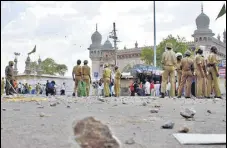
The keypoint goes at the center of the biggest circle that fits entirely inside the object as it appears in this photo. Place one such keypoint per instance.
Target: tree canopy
(179, 45)
(147, 55)
(49, 66)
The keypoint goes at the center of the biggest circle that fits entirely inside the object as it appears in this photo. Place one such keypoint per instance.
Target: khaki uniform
(86, 72)
(212, 77)
(77, 71)
(187, 76)
(9, 79)
(179, 72)
(2, 86)
(106, 78)
(204, 89)
(199, 75)
(117, 84)
(169, 63)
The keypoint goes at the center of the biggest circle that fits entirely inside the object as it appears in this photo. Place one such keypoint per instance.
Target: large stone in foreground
(91, 133)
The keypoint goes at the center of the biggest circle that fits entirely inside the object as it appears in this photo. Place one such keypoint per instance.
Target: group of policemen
(83, 73)
(188, 67)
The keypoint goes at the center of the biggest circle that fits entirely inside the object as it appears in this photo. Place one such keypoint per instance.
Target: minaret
(39, 70)
(224, 36)
(136, 45)
(201, 7)
(27, 66)
(15, 70)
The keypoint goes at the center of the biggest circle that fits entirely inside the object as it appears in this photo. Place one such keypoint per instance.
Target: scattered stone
(209, 111)
(188, 113)
(40, 106)
(38, 103)
(4, 109)
(153, 111)
(114, 105)
(57, 102)
(16, 109)
(42, 124)
(101, 99)
(184, 130)
(42, 115)
(124, 102)
(53, 104)
(130, 141)
(144, 104)
(168, 125)
(91, 133)
(68, 106)
(157, 106)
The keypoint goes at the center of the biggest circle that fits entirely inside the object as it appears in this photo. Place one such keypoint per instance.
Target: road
(22, 126)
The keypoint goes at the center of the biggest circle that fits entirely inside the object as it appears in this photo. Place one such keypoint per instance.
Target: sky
(62, 30)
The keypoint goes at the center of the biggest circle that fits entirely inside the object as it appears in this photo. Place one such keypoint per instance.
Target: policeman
(213, 75)
(179, 72)
(169, 63)
(2, 85)
(107, 80)
(199, 72)
(9, 78)
(86, 73)
(204, 65)
(117, 80)
(77, 76)
(187, 67)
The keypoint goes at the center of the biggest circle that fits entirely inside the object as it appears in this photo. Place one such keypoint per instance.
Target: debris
(42, 115)
(93, 134)
(130, 141)
(53, 104)
(101, 99)
(184, 129)
(40, 106)
(188, 113)
(209, 111)
(144, 104)
(153, 111)
(68, 106)
(168, 125)
(157, 106)
(4, 109)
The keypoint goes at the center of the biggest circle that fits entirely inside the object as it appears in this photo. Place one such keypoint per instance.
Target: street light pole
(154, 37)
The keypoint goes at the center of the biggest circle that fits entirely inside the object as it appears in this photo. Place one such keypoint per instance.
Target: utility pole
(154, 37)
(114, 37)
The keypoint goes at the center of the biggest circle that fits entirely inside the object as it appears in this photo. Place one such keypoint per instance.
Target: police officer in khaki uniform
(107, 80)
(2, 85)
(179, 71)
(187, 67)
(204, 89)
(86, 73)
(117, 84)
(213, 75)
(199, 72)
(9, 78)
(169, 63)
(77, 76)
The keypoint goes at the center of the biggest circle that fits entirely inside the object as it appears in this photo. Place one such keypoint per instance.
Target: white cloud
(62, 30)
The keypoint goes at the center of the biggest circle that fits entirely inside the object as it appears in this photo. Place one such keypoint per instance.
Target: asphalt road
(22, 126)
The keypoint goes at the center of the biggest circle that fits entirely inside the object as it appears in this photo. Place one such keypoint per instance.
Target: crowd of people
(187, 67)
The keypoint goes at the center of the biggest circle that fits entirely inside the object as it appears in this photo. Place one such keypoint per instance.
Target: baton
(12, 86)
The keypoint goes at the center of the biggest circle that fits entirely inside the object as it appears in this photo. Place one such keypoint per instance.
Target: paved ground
(22, 126)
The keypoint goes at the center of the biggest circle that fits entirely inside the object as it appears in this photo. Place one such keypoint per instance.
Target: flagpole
(154, 37)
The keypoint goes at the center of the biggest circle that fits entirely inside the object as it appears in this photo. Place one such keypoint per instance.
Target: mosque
(100, 54)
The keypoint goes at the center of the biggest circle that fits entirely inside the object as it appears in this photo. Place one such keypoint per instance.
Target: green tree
(62, 69)
(33, 65)
(179, 45)
(127, 68)
(147, 55)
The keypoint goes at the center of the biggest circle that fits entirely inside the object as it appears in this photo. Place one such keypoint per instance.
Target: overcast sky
(62, 30)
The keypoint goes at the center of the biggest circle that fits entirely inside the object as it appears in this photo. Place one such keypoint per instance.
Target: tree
(179, 45)
(127, 68)
(147, 55)
(61, 69)
(50, 67)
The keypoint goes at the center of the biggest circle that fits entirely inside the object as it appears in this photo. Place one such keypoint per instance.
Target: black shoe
(178, 96)
(162, 95)
(187, 97)
(218, 97)
(74, 94)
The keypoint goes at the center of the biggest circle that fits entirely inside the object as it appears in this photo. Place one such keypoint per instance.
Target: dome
(202, 21)
(107, 45)
(96, 37)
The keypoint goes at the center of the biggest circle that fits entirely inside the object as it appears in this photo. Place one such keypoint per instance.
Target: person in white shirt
(147, 88)
(157, 88)
(19, 88)
(63, 89)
